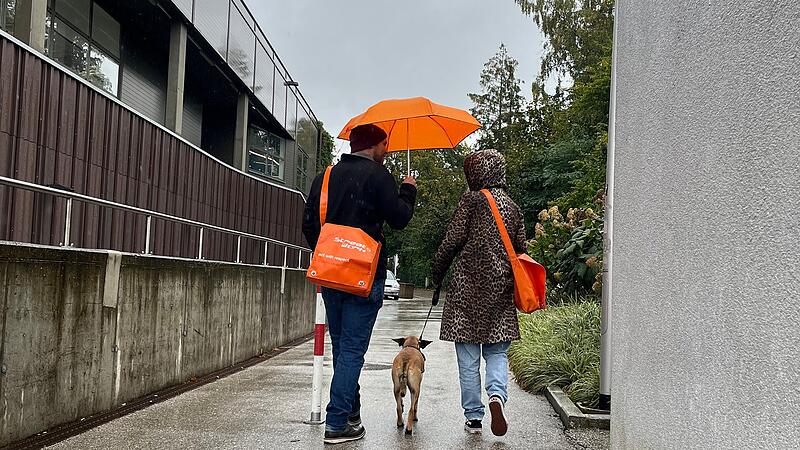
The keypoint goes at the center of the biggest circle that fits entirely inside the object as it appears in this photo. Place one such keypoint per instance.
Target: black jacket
(361, 194)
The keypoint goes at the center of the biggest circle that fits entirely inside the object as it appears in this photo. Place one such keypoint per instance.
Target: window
(241, 47)
(291, 113)
(103, 71)
(279, 105)
(302, 170)
(265, 76)
(7, 8)
(211, 19)
(68, 47)
(185, 6)
(266, 153)
(307, 133)
(105, 31)
(90, 48)
(76, 12)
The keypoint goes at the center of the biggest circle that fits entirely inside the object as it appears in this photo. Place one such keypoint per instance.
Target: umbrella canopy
(416, 124)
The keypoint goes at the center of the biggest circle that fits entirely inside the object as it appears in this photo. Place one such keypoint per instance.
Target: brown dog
(407, 369)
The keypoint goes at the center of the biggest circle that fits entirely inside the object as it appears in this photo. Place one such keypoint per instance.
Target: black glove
(436, 293)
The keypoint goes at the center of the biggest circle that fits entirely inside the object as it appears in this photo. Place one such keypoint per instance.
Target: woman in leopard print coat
(479, 313)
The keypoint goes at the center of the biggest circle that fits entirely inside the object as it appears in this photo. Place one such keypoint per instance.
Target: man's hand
(411, 181)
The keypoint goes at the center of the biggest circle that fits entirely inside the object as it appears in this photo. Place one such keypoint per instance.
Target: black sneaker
(350, 433)
(473, 426)
(354, 420)
(499, 422)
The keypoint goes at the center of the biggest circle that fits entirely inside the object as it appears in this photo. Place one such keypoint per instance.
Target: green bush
(571, 249)
(560, 346)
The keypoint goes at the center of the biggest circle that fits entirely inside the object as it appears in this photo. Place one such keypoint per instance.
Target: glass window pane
(69, 48)
(185, 6)
(291, 113)
(103, 71)
(241, 47)
(247, 17)
(279, 106)
(76, 12)
(306, 132)
(275, 157)
(257, 163)
(7, 9)
(105, 31)
(269, 148)
(265, 73)
(301, 181)
(211, 18)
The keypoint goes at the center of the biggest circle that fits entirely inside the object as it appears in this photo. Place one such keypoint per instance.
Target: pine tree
(500, 108)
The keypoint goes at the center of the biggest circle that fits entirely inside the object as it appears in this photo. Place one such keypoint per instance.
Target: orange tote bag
(529, 276)
(346, 258)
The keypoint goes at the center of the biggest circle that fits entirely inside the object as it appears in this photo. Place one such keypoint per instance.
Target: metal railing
(70, 196)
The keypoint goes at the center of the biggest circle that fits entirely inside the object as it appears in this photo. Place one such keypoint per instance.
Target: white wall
(706, 291)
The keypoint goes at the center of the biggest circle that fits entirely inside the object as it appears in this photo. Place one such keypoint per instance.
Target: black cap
(365, 136)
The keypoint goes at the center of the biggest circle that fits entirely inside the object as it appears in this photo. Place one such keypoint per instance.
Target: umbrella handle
(408, 164)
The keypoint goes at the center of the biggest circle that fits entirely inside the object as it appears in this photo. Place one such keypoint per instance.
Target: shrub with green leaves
(560, 346)
(571, 249)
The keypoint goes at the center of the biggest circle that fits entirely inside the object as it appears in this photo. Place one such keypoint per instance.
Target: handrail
(13, 182)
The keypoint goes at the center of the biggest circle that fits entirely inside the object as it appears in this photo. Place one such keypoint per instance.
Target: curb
(571, 416)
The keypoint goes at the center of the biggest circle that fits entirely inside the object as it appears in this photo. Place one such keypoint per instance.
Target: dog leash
(434, 302)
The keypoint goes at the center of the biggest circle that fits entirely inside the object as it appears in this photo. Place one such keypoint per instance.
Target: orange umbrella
(416, 124)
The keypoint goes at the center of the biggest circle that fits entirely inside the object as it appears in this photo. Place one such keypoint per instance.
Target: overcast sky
(349, 54)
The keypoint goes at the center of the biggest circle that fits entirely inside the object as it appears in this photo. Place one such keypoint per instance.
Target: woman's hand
(436, 292)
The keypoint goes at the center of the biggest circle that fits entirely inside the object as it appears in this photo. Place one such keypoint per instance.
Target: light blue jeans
(469, 372)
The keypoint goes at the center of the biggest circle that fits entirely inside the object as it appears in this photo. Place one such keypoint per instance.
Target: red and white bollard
(319, 357)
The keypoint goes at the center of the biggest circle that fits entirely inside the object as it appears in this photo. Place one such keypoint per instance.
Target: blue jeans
(350, 322)
(469, 372)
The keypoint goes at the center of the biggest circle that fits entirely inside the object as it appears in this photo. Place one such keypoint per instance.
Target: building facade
(181, 107)
(706, 201)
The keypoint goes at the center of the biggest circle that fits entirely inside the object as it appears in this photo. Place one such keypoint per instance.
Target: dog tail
(403, 377)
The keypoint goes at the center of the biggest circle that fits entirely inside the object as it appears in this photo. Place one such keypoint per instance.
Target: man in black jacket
(361, 194)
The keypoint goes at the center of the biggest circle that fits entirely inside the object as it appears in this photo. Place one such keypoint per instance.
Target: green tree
(567, 161)
(440, 182)
(326, 147)
(579, 33)
(500, 107)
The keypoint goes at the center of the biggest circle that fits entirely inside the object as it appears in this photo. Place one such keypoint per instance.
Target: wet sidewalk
(263, 407)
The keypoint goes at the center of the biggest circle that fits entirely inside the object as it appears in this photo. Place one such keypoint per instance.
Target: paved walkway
(264, 406)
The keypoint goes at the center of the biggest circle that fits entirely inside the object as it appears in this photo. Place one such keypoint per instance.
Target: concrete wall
(77, 339)
(707, 212)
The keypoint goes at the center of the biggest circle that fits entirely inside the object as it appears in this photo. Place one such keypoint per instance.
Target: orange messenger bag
(346, 258)
(529, 276)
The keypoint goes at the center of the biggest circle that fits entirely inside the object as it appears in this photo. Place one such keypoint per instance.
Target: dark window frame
(52, 15)
(268, 157)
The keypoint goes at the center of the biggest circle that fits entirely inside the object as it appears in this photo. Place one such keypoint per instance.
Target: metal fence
(146, 247)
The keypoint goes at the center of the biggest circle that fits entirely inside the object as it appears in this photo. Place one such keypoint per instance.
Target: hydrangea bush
(570, 246)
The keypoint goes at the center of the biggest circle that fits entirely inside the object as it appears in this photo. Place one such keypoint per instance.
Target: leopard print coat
(480, 300)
